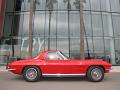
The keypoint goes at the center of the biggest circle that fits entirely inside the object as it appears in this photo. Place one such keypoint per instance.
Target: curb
(3, 70)
(113, 73)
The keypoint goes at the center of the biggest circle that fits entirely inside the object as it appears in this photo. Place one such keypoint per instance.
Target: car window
(53, 56)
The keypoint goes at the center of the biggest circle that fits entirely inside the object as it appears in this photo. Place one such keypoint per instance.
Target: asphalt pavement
(9, 81)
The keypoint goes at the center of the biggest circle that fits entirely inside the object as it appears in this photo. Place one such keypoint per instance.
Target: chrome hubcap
(31, 73)
(96, 74)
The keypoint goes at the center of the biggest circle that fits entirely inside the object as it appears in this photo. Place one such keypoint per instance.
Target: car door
(52, 63)
(71, 66)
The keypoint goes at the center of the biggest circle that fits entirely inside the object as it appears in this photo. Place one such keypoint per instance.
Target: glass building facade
(56, 26)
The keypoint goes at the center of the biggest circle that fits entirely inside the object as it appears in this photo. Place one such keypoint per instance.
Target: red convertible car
(55, 64)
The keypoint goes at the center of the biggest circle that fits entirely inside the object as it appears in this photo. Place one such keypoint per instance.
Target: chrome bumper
(11, 69)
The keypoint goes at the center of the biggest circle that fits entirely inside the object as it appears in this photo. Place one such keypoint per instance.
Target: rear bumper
(11, 69)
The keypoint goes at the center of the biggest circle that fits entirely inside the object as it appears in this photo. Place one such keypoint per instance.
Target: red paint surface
(0, 5)
(57, 66)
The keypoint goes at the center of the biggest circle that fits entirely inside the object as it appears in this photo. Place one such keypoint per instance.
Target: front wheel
(95, 74)
(31, 74)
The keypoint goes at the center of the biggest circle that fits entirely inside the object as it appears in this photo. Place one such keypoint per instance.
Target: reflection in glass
(74, 24)
(98, 47)
(62, 24)
(116, 24)
(74, 48)
(53, 43)
(86, 5)
(109, 50)
(87, 24)
(115, 5)
(62, 45)
(105, 5)
(89, 47)
(95, 5)
(107, 24)
(39, 23)
(97, 24)
(117, 51)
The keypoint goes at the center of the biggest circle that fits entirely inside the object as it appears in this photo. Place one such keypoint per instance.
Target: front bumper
(10, 69)
(107, 70)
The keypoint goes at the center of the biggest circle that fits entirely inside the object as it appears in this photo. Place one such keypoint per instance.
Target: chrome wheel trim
(96, 74)
(31, 73)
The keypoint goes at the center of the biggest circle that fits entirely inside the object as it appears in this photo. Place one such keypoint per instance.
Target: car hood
(96, 62)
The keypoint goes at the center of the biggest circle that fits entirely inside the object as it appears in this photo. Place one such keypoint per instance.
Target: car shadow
(59, 79)
(20, 78)
(63, 79)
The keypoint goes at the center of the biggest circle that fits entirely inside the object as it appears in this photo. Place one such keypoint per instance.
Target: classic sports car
(55, 63)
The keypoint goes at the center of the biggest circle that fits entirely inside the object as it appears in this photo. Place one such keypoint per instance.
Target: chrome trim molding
(63, 75)
(11, 69)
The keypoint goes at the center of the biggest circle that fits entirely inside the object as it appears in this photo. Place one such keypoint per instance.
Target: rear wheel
(95, 74)
(31, 74)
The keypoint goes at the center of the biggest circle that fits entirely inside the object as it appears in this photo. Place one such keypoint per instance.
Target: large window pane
(14, 5)
(97, 24)
(62, 4)
(53, 43)
(53, 24)
(10, 5)
(51, 5)
(26, 24)
(105, 5)
(8, 25)
(116, 24)
(74, 23)
(107, 24)
(11, 46)
(75, 48)
(39, 23)
(98, 47)
(86, 4)
(87, 24)
(74, 4)
(62, 45)
(115, 5)
(117, 51)
(38, 45)
(13, 24)
(109, 50)
(95, 5)
(62, 24)
(25, 5)
(40, 4)
(89, 47)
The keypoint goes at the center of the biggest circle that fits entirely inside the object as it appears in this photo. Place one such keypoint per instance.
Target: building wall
(2, 13)
(57, 26)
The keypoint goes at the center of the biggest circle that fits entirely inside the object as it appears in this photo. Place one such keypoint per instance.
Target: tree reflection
(32, 10)
(50, 7)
